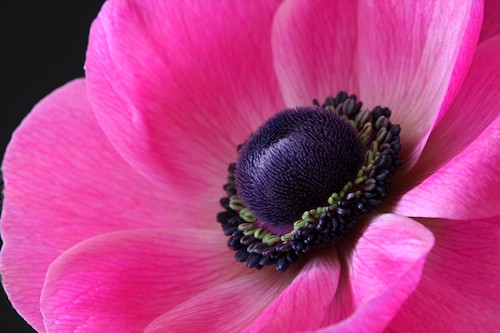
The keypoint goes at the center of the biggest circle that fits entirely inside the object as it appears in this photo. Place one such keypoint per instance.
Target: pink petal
(491, 23)
(228, 307)
(459, 289)
(177, 86)
(467, 187)
(472, 111)
(464, 55)
(314, 47)
(384, 269)
(407, 64)
(302, 306)
(401, 56)
(64, 182)
(119, 282)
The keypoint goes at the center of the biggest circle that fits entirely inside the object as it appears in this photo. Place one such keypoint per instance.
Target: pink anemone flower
(112, 183)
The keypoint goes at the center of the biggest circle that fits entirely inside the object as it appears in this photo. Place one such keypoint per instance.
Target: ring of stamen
(258, 247)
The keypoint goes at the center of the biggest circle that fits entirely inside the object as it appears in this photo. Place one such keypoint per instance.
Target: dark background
(42, 46)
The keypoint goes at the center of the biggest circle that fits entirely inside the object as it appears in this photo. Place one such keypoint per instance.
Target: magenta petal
(228, 307)
(64, 182)
(384, 269)
(314, 47)
(403, 56)
(464, 55)
(472, 111)
(491, 23)
(467, 187)
(302, 306)
(119, 282)
(459, 289)
(407, 55)
(177, 86)
(280, 304)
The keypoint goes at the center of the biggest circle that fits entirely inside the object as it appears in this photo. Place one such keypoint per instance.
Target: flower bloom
(112, 182)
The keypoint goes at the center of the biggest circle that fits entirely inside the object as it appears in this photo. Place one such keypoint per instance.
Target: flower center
(303, 178)
(294, 162)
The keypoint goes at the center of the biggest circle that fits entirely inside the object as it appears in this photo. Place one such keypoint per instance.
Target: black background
(42, 47)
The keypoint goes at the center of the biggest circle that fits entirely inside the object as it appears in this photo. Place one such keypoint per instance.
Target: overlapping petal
(228, 307)
(301, 307)
(474, 108)
(415, 80)
(384, 269)
(120, 282)
(465, 188)
(64, 182)
(491, 24)
(176, 90)
(365, 48)
(464, 55)
(459, 289)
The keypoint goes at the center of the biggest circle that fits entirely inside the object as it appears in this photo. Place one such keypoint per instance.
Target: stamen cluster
(258, 246)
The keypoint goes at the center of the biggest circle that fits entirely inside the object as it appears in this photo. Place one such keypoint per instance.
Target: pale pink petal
(467, 187)
(302, 306)
(464, 55)
(384, 269)
(314, 47)
(408, 53)
(472, 111)
(64, 182)
(459, 290)
(228, 307)
(119, 282)
(491, 23)
(397, 55)
(177, 86)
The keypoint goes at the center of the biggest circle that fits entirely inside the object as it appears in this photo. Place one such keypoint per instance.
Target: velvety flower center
(304, 177)
(294, 162)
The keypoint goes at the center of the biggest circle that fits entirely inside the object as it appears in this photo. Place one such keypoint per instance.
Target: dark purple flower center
(304, 177)
(294, 162)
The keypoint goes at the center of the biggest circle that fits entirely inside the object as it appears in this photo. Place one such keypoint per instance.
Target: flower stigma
(304, 176)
